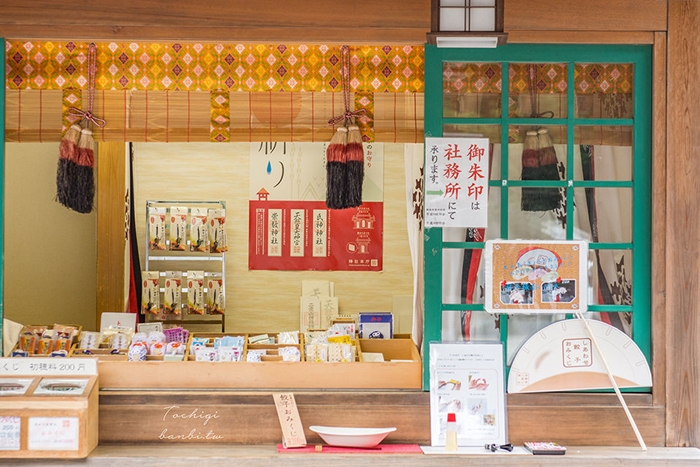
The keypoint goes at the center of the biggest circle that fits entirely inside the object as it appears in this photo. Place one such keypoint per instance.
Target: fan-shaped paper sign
(562, 357)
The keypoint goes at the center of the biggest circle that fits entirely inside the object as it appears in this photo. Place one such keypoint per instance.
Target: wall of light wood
(49, 254)
(268, 301)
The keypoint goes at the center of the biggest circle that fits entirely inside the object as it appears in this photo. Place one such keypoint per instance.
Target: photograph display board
(536, 276)
(467, 379)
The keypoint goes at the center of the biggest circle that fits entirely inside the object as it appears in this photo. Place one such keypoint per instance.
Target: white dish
(351, 437)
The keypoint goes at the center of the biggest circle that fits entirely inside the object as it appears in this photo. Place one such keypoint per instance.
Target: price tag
(292, 429)
(49, 366)
(9, 433)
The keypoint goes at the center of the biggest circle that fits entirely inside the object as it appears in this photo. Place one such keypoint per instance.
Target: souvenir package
(175, 348)
(158, 348)
(156, 228)
(288, 337)
(150, 293)
(119, 341)
(61, 331)
(229, 354)
(137, 352)
(90, 340)
(199, 231)
(154, 337)
(45, 346)
(172, 301)
(290, 354)
(217, 230)
(178, 228)
(61, 345)
(215, 297)
(28, 343)
(206, 354)
(195, 292)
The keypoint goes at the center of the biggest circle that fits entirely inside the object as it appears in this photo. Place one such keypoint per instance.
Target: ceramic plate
(351, 437)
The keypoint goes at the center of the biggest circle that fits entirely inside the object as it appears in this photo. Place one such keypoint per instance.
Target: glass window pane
(469, 325)
(603, 90)
(603, 215)
(471, 90)
(452, 19)
(610, 277)
(482, 19)
(463, 269)
(482, 3)
(537, 152)
(493, 231)
(601, 161)
(549, 224)
(537, 89)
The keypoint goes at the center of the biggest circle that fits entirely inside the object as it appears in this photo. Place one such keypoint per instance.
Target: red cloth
(380, 449)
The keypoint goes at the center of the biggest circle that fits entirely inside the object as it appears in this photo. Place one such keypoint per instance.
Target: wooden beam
(580, 37)
(591, 15)
(658, 216)
(682, 226)
(318, 21)
(111, 241)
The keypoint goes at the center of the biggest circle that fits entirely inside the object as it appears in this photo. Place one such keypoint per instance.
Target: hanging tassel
(530, 166)
(67, 159)
(84, 179)
(336, 170)
(75, 180)
(539, 163)
(356, 167)
(548, 169)
(69, 144)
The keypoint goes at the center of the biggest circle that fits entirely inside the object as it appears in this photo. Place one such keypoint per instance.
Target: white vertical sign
(456, 182)
(320, 235)
(296, 238)
(274, 232)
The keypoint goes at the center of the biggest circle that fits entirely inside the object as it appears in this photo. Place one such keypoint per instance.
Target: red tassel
(69, 144)
(336, 170)
(356, 167)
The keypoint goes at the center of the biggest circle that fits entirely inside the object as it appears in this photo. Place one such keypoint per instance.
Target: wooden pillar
(683, 226)
(111, 228)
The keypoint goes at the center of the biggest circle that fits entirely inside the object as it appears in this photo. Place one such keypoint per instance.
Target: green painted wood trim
(432, 238)
(641, 203)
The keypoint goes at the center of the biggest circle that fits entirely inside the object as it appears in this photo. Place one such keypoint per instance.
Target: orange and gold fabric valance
(212, 92)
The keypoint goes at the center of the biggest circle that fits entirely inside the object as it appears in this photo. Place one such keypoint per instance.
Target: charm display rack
(213, 265)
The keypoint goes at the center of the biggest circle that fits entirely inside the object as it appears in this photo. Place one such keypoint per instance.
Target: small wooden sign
(292, 429)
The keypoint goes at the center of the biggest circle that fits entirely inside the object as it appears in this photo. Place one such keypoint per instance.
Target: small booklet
(544, 448)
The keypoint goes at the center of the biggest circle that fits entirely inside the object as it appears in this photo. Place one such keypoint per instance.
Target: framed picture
(536, 277)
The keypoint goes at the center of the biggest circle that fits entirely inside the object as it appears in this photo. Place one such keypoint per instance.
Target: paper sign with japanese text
(467, 379)
(536, 276)
(456, 182)
(292, 429)
(291, 228)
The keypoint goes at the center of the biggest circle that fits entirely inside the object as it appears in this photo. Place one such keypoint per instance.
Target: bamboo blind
(181, 116)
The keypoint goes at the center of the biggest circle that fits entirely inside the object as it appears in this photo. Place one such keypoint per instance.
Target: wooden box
(102, 353)
(403, 374)
(53, 418)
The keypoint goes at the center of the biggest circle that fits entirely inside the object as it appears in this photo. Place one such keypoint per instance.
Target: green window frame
(640, 184)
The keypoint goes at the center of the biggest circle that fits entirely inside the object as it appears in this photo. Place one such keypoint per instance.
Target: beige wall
(268, 301)
(49, 263)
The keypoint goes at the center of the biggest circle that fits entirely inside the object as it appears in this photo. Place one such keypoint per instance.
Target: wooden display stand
(404, 372)
(55, 415)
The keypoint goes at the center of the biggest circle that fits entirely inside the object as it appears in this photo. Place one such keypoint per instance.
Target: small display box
(49, 408)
